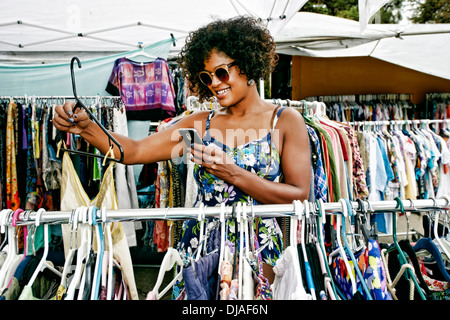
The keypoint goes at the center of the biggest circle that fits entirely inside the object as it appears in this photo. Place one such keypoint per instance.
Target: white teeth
(223, 91)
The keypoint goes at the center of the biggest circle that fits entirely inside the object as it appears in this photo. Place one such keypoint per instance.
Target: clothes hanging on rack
(35, 149)
(327, 139)
(34, 170)
(338, 166)
(73, 195)
(409, 163)
(203, 279)
(342, 157)
(181, 88)
(213, 192)
(370, 263)
(368, 107)
(438, 106)
(326, 185)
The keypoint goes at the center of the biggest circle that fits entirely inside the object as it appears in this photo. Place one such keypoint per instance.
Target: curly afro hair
(243, 39)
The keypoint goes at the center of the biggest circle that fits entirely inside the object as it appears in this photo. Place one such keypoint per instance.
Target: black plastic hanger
(80, 104)
(361, 213)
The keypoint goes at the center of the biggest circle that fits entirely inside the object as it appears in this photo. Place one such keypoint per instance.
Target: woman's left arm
(295, 163)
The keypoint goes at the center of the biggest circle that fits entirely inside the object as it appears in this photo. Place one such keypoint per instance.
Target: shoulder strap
(276, 115)
(208, 120)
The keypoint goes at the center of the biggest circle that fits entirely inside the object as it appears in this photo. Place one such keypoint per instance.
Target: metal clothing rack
(400, 122)
(293, 103)
(438, 95)
(268, 210)
(396, 97)
(59, 99)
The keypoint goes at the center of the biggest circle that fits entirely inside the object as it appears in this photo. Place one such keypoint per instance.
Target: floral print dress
(259, 157)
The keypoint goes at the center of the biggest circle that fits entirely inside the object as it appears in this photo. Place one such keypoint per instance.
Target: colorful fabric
(374, 272)
(371, 266)
(143, 86)
(359, 175)
(433, 284)
(12, 190)
(31, 185)
(263, 287)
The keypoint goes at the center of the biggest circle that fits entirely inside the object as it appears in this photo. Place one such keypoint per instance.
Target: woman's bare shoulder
(290, 117)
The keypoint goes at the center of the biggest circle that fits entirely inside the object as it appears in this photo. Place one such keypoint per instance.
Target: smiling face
(232, 91)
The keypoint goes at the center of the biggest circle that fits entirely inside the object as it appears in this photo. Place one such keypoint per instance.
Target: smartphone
(190, 136)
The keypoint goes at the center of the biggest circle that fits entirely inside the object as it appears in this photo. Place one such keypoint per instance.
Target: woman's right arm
(160, 146)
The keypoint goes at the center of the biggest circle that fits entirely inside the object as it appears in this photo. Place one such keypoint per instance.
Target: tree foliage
(348, 9)
(431, 11)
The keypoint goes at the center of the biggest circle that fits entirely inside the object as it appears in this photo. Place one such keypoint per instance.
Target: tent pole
(261, 88)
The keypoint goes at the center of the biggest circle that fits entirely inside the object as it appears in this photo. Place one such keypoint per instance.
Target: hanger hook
(412, 204)
(38, 217)
(104, 215)
(399, 205)
(16, 217)
(318, 208)
(447, 199)
(3, 216)
(306, 208)
(74, 88)
(239, 212)
(344, 207)
(200, 210)
(222, 212)
(434, 202)
(322, 210)
(361, 206)
(350, 209)
(299, 209)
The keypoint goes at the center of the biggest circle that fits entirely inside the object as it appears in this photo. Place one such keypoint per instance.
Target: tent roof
(112, 25)
(51, 31)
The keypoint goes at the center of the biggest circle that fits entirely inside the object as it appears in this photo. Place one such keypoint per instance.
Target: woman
(252, 152)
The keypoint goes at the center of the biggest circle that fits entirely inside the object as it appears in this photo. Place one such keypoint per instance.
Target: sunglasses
(220, 72)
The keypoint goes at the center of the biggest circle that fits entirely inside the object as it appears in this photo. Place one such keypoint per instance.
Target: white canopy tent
(49, 33)
(58, 26)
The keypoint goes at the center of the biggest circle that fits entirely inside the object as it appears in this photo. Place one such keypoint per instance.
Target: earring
(250, 82)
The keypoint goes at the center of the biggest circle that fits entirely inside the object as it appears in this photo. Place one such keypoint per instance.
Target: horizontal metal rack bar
(267, 210)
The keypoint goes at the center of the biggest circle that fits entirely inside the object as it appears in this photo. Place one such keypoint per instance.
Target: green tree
(431, 11)
(348, 9)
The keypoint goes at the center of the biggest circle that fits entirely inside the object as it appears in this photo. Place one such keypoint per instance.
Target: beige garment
(363, 150)
(73, 196)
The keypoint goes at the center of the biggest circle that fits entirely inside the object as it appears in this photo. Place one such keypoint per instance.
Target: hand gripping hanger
(92, 117)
